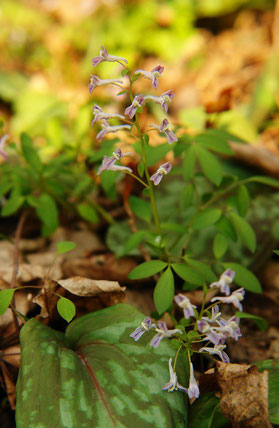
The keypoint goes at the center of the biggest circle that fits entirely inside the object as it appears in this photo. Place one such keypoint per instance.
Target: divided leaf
(210, 165)
(244, 231)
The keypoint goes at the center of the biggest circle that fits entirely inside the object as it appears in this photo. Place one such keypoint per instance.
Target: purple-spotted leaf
(95, 375)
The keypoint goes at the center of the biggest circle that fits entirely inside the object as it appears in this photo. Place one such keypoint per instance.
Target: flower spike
(104, 56)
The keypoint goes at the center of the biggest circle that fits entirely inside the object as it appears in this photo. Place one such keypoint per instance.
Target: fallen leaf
(88, 287)
(47, 299)
(26, 272)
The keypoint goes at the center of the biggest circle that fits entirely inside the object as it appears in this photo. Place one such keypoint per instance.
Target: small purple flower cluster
(137, 102)
(214, 329)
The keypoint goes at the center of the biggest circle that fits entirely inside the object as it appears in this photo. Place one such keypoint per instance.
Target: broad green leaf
(188, 273)
(164, 291)
(220, 245)
(214, 143)
(140, 208)
(6, 297)
(100, 375)
(242, 200)
(244, 231)
(189, 162)
(265, 180)
(133, 241)
(206, 412)
(140, 169)
(66, 309)
(203, 268)
(187, 195)
(147, 269)
(12, 205)
(65, 246)
(48, 213)
(210, 165)
(88, 213)
(273, 386)
(155, 154)
(222, 133)
(259, 321)
(244, 277)
(226, 228)
(206, 218)
(29, 153)
(173, 227)
(108, 179)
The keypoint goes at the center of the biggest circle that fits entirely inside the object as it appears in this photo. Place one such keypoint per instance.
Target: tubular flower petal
(173, 384)
(96, 81)
(184, 303)
(109, 163)
(224, 282)
(165, 128)
(162, 331)
(163, 99)
(104, 56)
(3, 140)
(230, 328)
(161, 171)
(106, 129)
(193, 390)
(235, 298)
(138, 101)
(101, 115)
(143, 328)
(218, 350)
(152, 75)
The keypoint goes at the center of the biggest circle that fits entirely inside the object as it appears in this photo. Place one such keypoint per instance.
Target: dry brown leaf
(26, 272)
(244, 395)
(9, 383)
(89, 287)
(11, 355)
(47, 299)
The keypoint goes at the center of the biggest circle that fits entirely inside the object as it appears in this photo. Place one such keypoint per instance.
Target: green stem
(101, 211)
(176, 355)
(137, 178)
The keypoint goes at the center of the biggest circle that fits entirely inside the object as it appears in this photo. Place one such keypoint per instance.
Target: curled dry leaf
(26, 272)
(243, 394)
(47, 299)
(89, 287)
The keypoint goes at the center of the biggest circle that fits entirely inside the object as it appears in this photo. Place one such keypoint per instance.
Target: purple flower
(215, 314)
(109, 163)
(3, 140)
(235, 298)
(173, 384)
(193, 390)
(165, 128)
(144, 327)
(224, 282)
(152, 75)
(101, 115)
(218, 350)
(138, 101)
(161, 171)
(104, 56)
(163, 99)
(184, 303)
(162, 331)
(106, 129)
(230, 328)
(96, 81)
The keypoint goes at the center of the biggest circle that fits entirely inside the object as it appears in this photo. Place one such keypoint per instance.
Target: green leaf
(244, 277)
(164, 291)
(140, 169)
(276, 252)
(206, 413)
(153, 154)
(121, 93)
(273, 386)
(133, 241)
(220, 245)
(147, 269)
(206, 218)
(6, 297)
(140, 208)
(12, 205)
(187, 195)
(188, 273)
(48, 213)
(242, 200)
(214, 143)
(173, 227)
(189, 162)
(88, 213)
(265, 180)
(65, 246)
(29, 153)
(100, 375)
(227, 136)
(244, 231)
(193, 118)
(259, 321)
(66, 309)
(225, 227)
(203, 268)
(210, 165)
